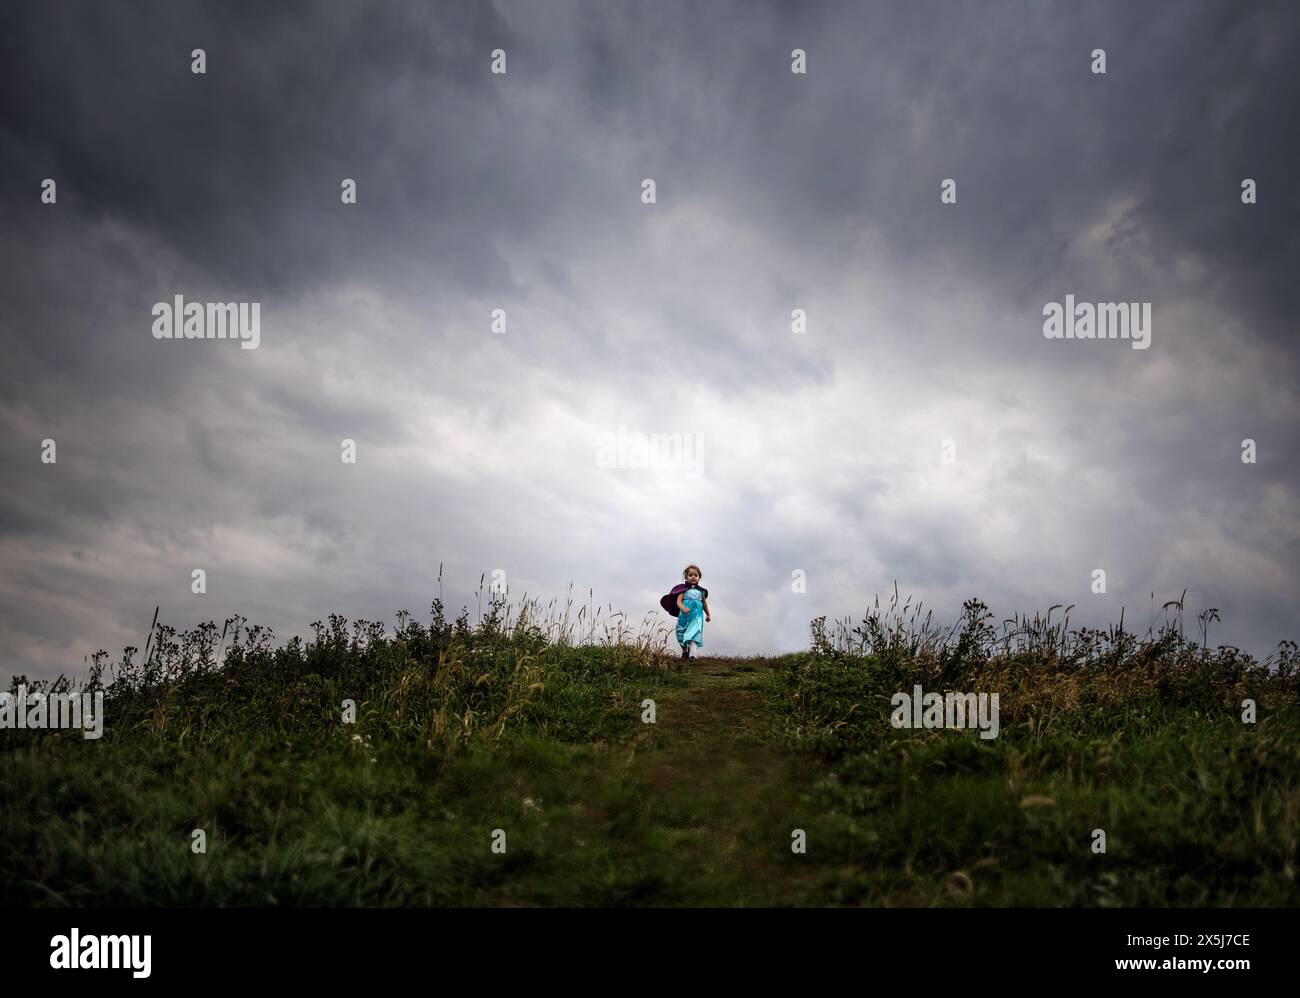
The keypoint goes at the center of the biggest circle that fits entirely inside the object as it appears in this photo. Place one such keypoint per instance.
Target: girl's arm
(707, 614)
(680, 605)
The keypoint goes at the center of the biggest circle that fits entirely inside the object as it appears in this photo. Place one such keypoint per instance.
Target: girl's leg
(686, 649)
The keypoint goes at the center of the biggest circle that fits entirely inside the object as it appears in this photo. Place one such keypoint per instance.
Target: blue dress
(690, 624)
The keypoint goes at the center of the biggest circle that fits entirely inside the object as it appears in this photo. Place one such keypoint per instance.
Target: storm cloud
(775, 191)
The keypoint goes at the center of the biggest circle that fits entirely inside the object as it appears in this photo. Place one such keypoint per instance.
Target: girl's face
(692, 577)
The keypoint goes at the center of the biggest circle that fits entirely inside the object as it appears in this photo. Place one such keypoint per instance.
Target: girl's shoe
(686, 651)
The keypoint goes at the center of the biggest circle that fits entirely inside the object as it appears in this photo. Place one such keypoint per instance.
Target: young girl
(691, 603)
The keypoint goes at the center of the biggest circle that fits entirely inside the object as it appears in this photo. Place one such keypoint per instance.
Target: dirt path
(709, 771)
(696, 809)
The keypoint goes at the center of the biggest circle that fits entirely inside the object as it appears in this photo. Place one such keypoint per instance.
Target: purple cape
(669, 602)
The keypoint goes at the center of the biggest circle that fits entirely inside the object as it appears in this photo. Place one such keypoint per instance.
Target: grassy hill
(532, 726)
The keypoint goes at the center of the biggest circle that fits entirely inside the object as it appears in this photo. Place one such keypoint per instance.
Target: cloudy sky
(819, 452)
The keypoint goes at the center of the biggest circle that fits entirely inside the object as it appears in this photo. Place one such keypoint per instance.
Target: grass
(530, 721)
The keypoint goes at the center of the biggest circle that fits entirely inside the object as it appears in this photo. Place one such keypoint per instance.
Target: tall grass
(1147, 737)
(528, 716)
(222, 730)
(1045, 673)
(440, 684)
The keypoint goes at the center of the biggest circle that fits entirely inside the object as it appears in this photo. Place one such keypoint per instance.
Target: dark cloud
(521, 192)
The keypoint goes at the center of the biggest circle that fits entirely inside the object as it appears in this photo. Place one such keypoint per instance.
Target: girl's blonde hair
(689, 567)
